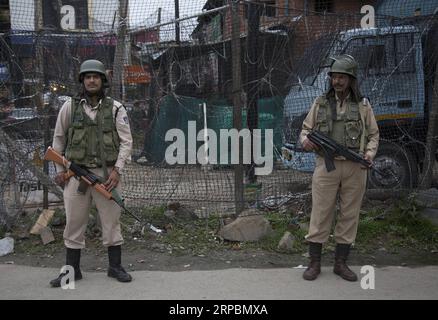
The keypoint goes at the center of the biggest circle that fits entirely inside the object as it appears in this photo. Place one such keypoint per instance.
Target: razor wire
(171, 62)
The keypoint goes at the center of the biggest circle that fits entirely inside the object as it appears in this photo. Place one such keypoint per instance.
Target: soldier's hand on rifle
(60, 179)
(368, 158)
(309, 145)
(113, 180)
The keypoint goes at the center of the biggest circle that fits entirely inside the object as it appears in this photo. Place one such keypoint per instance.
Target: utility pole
(39, 54)
(151, 88)
(177, 30)
(120, 51)
(42, 111)
(237, 102)
(252, 79)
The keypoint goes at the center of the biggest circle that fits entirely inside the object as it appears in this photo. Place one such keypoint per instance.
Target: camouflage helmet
(92, 66)
(344, 64)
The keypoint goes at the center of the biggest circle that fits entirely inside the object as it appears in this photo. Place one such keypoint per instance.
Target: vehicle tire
(398, 163)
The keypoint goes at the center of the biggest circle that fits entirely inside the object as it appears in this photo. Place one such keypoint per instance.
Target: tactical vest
(84, 136)
(347, 129)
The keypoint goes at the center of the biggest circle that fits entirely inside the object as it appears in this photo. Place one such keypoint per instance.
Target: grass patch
(34, 245)
(369, 230)
(195, 237)
(199, 236)
(412, 229)
(399, 226)
(154, 215)
(402, 225)
(183, 235)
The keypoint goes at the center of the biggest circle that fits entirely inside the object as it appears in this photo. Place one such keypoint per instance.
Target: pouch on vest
(353, 131)
(322, 120)
(78, 141)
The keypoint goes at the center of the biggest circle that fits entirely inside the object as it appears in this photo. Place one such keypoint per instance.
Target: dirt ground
(150, 255)
(193, 245)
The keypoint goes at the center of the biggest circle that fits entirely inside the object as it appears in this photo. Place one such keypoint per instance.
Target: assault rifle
(92, 180)
(331, 148)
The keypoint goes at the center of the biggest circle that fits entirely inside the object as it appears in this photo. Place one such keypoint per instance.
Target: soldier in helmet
(93, 131)
(346, 116)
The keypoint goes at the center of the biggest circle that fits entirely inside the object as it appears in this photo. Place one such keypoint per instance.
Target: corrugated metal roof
(407, 8)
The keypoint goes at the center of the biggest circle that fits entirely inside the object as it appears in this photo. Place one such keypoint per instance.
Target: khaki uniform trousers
(349, 179)
(77, 209)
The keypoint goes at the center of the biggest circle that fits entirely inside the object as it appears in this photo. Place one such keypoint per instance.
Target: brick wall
(292, 8)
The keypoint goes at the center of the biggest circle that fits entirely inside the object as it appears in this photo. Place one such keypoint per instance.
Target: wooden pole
(42, 111)
(252, 78)
(237, 110)
(118, 64)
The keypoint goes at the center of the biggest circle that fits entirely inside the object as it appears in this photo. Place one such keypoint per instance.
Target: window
(385, 54)
(359, 50)
(405, 52)
(266, 9)
(371, 54)
(376, 59)
(269, 9)
(324, 6)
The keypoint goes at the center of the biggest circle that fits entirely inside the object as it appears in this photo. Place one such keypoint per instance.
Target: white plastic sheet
(6, 246)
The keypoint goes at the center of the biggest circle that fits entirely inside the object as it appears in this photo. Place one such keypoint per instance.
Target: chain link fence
(191, 65)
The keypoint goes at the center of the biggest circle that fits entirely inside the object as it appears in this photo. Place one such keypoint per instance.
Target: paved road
(24, 282)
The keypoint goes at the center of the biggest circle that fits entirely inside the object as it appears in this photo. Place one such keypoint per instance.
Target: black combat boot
(115, 269)
(340, 267)
(314, 268)
(73, 257)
